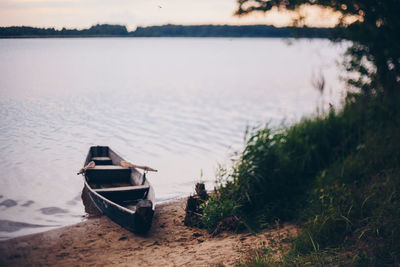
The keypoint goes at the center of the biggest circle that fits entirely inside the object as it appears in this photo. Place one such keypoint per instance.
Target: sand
(99, 241)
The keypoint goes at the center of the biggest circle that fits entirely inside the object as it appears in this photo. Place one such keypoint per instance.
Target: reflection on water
(28, 203)
(10, 226)
(52, 210)
(177, 105)
(8, 203)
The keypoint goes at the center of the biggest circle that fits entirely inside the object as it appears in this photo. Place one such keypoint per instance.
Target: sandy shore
(99, 241)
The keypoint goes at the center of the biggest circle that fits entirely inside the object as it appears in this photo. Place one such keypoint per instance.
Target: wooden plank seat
(108, 173)
(102, 160)
(125, 193)
(107, 167)
(122, 188)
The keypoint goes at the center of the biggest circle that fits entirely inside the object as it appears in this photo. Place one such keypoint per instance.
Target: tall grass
(273, 174)
(338, 174)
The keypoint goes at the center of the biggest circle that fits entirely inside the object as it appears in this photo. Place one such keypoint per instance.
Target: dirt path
(99, 241)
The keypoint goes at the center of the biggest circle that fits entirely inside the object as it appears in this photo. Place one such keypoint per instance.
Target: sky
(132, 13)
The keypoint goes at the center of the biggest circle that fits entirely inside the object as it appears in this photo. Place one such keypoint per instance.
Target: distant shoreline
(149, 37)
(173, 31)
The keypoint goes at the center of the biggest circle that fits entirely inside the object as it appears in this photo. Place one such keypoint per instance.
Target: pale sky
(133, 13)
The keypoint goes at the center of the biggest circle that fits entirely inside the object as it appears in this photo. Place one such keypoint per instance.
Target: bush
(214, 211)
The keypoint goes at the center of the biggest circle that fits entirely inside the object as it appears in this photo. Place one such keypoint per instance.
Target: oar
(88, 166)
(130, 165)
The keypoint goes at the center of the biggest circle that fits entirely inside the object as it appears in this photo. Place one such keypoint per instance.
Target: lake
(180, 105)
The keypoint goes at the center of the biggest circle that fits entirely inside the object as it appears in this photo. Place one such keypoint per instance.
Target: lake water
(180, 105)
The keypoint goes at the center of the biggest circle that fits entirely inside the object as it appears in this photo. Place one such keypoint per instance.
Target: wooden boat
(121, 192)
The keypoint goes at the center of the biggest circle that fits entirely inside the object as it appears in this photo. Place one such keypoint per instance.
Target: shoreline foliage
(337, 175)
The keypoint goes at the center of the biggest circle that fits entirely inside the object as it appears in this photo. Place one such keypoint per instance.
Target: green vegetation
(106, 30)
(337, 174)
(271, 178)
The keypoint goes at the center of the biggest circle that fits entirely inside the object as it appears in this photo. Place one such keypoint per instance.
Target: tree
(375, 33)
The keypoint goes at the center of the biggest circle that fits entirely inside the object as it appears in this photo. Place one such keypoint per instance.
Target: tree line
(107, 30)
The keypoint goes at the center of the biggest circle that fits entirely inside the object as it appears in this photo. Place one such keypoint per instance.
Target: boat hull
(132, 206)
(134, 222)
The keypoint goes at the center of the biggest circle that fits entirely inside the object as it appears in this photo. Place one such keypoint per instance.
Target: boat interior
(122, 185)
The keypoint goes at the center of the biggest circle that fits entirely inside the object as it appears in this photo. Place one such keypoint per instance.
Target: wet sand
(99, 241)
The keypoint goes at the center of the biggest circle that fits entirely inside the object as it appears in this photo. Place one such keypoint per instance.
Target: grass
(338, 175)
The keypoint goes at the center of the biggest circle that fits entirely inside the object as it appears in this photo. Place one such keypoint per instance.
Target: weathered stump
(194, 211)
